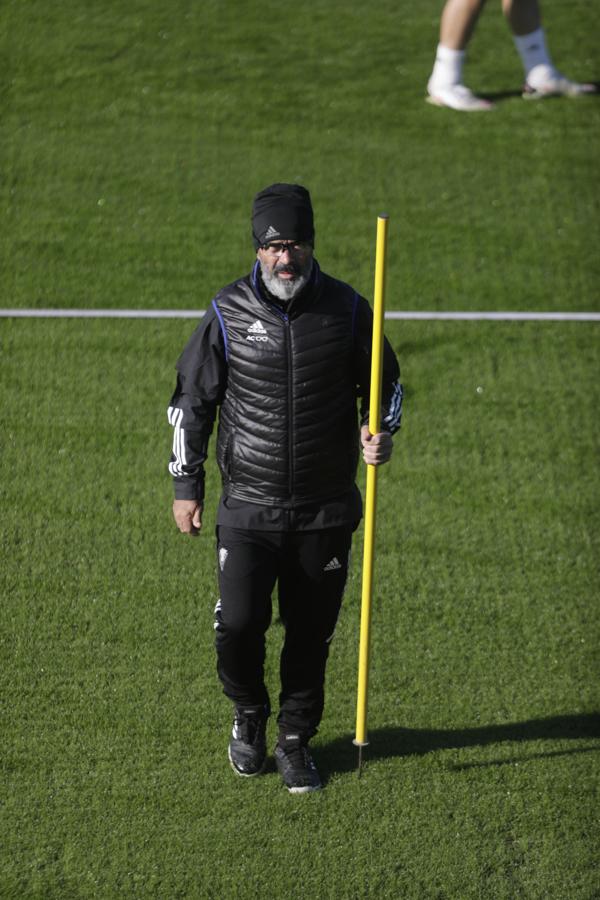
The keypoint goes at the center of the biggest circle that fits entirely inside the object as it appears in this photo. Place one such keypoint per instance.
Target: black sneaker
(295, 764)
(247, 745)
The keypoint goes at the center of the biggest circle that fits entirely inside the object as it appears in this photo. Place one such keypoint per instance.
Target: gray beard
(285, 290)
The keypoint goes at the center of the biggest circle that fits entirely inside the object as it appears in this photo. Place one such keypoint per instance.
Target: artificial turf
(133, 140)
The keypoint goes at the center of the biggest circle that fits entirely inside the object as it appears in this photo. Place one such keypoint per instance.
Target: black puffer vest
(288, 426)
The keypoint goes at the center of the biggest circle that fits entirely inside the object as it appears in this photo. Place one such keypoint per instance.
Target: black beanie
(282, 212)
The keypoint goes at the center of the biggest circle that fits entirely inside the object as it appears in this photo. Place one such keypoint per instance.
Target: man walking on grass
(542, 78)
(282, 353)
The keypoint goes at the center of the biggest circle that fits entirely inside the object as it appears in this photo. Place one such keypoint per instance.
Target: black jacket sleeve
(391, 389)
(201, 379)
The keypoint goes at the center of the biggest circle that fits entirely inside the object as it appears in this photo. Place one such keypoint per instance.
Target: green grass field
(133, 140)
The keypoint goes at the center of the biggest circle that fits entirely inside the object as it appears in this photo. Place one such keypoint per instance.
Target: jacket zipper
(288, 343)
(290, 393)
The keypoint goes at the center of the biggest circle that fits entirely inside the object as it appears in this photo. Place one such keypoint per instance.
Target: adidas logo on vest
(257, 332)
(332, 565)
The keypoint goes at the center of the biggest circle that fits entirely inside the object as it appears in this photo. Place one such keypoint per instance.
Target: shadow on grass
(341, 756)
(499, 96)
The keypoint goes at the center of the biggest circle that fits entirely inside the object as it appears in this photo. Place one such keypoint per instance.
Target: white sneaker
(556, 85)
(456, 96)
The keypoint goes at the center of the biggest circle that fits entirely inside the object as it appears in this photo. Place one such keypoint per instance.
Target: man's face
(285, 267)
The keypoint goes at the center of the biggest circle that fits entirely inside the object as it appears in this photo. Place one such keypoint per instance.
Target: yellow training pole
(371, 495)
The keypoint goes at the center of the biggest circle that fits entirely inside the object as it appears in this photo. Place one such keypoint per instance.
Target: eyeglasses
(278, 249)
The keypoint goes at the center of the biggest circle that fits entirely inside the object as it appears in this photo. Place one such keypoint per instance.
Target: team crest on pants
(223, 554)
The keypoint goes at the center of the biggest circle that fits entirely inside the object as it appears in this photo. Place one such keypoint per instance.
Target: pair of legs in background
(310, 569)
(458, 21)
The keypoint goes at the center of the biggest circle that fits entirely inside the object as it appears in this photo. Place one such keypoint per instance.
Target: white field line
(390, 314)
(499, 316)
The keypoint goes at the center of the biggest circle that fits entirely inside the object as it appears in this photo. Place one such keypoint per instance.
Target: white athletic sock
(447, 69)
(535, 57)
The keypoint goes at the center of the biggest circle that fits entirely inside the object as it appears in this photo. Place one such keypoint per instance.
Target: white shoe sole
(459, 98)
(305, 790)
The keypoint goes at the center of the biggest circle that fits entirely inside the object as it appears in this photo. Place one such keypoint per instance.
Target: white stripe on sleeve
(176, 465)
(394, 415)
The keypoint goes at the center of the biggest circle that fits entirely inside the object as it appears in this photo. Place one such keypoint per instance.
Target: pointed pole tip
(360, 745)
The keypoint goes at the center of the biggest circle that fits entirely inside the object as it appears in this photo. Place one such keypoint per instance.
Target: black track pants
(310, 568)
